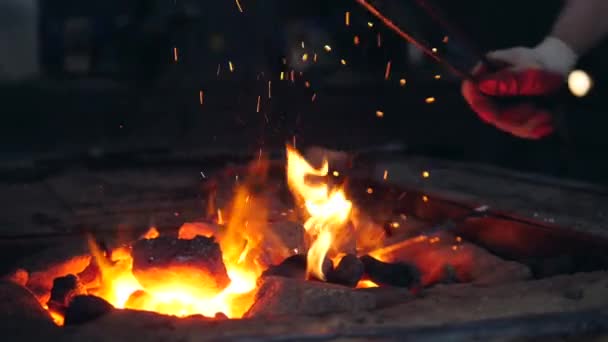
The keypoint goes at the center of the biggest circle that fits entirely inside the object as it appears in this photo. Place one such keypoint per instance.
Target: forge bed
(553, 228)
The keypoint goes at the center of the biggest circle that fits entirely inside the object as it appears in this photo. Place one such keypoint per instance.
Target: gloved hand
(525, 73)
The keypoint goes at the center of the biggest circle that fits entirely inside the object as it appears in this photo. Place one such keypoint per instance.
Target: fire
(245, 243)
(327, 210)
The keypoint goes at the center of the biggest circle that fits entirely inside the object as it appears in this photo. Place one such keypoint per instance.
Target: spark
(203, 175)
(437, 77)
(258, 106)
(343, 61)
(201, 97)
(293, 140)
(293, 76)
(370, 24)
(238, 5)
(387, 72)
(395, 225)
(220, 219)
(379, 40)
(385, 176)
(402, 82)
(314, 58)
(579, 83)
(219, 67)
(175, 54)
(314, 97)
(230, 66)
(425, 198)
(370, 191)
(425, 174)
(327, 48)
(282, 75)
(302, 45)
(266, 118)
(307, 84)
(430, 100)
(269, 90)
(284, 60)
(356, 40)
(304, 57)
(379, 113)
(434, 50)
(336, 174)
(347, 18)
(445, 39)
(458, 239)
(454, 248)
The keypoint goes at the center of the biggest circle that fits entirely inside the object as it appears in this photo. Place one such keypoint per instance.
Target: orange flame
(328, 211)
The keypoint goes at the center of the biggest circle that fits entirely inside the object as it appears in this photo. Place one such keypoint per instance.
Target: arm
(582, 24)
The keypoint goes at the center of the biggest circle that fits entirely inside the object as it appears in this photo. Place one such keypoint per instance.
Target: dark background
(87, 80)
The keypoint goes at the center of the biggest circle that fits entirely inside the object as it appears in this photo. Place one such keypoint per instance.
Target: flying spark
(347, 18)
(175, 55)
(343, 61)
(230, 66)
(430, 100)
(385, 176)
(238, 5)
(379, 113)
(327, 48)
(201, 97)
(387, 72)
(379, 40)
(402, 82)
(269, 90)
(356, 40)
(258, 106)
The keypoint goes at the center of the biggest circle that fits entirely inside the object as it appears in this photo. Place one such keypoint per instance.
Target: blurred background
(88, 80)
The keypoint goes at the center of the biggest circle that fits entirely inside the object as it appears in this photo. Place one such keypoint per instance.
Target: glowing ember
(343, 61)
(365, 284)
(238, 5)
(370, 24)
(356, 40)
(347, 18)
(579, 83)
(327, 48)
(152, 233)
(402, 82)
(175, 54)
(201, 97)
(304, 57)
(387, 72)
(385, 175)
(230, 66)
(425, 174)
(430, 100)
(328, 210)
(379, 113)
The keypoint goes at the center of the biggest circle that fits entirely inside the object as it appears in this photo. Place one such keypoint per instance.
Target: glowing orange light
(220, 219)
(437, 77)
(387, 71)
(327, 48)
(379, 113)
(458, 239)
(356, 40)
(201, 97)
(328, 210)
(445, 39)
(257, 109)
(425, 174)
(402, 82)
(430, 100)
(425, 198)
(370, 24)
(314, 97)
(336, 174)
(434, 50)
(395, 225)
(385, 176)
(282, 75)
(230, 66)
(365, 284)
(343, 61)
(152, 233)
(370, 191)
(454, 248)
(347, 18)
(175, 55)
(307, 84)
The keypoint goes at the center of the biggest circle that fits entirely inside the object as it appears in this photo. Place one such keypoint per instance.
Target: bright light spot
(347, 18)
(370, 24)
(336, 173)
(445, 39)
(402, 82)
(343, 61)
(385, 176)
(356, 40)
(395, 225)
(370, 191)
(327, 48)
(231, 66)
(425, 174)
(579, 83)
(430, 100)
(434, 50)
(438, 77)
(304, 57)
(425, 198)
(379, 113)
